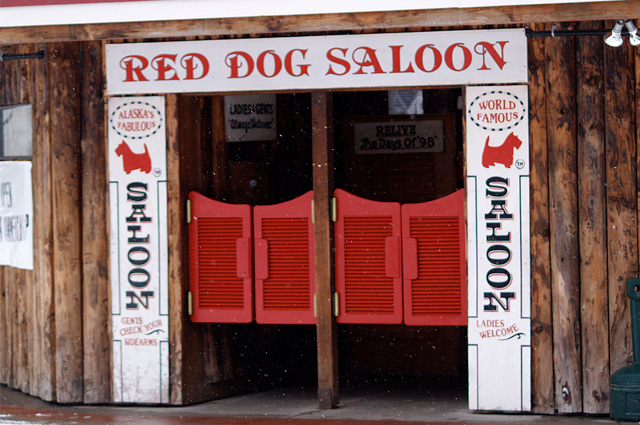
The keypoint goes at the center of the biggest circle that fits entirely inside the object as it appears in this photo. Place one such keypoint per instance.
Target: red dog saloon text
(340, 61)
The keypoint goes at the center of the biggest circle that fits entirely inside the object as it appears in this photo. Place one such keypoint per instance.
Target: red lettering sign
(371, 60)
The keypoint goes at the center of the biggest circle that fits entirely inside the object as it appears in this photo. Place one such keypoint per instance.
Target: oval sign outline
(124, 134)
(493, 92)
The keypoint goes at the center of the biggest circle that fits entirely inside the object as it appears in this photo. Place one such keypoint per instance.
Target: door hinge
(188, 211)
(315, 306)
(313, 212)
(334, 209)
(190, 303)
(336, 304)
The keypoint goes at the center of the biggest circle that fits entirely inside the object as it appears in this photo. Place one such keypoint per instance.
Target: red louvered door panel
(220, 258)
(285, 262)
(435, 285)
(368, 268)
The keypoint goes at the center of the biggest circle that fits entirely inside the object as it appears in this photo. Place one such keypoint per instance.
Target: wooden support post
(18, 278)
(43, 235)
(8, 94)
(593, 222)
(177, 285)
(28, 307)
(621, 175)
(322, 141)
(67, 231)
(541, 336)
(563, 198)
(95, 252)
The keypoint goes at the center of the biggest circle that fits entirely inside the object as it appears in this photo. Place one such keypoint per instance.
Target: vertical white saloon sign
(139, 262)
(498, 248)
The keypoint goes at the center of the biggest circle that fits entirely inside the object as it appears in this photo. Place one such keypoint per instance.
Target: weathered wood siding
(563, 194)
(27, 328)
(95, 251)
(66, 114)
(55, 318)
(592, 222)
(541, 326)
(584, 218)
(583, 137)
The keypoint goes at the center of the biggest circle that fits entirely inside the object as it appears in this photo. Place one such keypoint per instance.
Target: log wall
(592, 222)
(55, 318)
(27, 299)
(541, 332)
(563, 194)
(584, 218)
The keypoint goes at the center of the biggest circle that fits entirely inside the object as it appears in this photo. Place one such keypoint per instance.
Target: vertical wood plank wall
(621, 210)
(43, 236)
(175, 221)
(27, 82)
(55, 317)
(592, 222)
(65, 106)
(95, 250)
(563, 193)
(583, 153)
(584, 172)
(541, 332)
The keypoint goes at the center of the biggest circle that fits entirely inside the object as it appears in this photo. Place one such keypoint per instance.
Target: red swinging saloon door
(435, 290)
(220, 257)
(285, 262)
(368, 268)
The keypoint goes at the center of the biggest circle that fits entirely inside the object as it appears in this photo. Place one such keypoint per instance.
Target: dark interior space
(255, 356)
(399, 176)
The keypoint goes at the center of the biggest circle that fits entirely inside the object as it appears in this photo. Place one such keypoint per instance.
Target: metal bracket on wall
(567, 33)
(5, 57)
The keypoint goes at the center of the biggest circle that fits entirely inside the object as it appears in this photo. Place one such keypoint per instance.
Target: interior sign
(250, 117)
(499, 248)
(319, 62)
(139, 260)
(16, 215)
(399, 136)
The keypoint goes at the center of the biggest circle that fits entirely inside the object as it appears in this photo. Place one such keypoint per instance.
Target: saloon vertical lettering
(498, 253)
(138, 254)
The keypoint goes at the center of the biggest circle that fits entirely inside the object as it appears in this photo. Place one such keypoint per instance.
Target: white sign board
(405, 102)
(250, 117)
(139, 261)
(319, 62)
(399, 136)
(16, 132)
(499, 252)
(16, 215)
